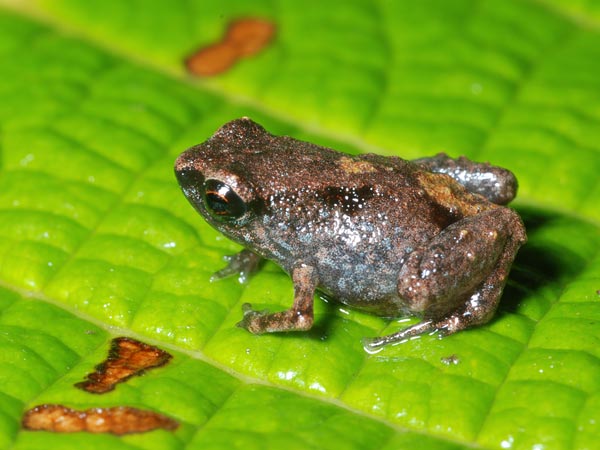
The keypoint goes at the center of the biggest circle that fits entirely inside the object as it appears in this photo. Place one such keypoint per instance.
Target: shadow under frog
(428, 237)
(538, 265)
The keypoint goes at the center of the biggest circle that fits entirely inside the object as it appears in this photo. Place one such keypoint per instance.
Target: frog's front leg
(298, 317)
(455, 281)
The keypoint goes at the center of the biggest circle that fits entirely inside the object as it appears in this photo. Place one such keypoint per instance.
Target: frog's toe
(244, 264)
(376, 344)
(372, 345)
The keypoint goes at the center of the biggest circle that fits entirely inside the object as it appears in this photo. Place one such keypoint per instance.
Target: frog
(430, 237)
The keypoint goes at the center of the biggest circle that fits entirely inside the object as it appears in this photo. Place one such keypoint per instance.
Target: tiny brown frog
(427, 237)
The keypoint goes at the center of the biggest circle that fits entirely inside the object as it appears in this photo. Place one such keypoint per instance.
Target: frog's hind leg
(456, 280)
(495, 183)
(472, 314)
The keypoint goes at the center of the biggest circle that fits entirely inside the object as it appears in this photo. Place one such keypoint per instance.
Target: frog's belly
(361, 281)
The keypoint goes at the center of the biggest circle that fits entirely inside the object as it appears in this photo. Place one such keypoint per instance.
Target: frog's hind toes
(376, 344)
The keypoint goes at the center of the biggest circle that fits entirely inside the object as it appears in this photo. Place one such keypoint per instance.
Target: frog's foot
(244, 264)
(251, 318)
(259, 322)
(451, 324)
(298, 318)
(374, 345)
(478, 309)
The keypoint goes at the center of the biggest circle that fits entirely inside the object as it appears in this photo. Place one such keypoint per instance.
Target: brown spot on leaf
(126, 358)
(116, 420)
(249, 36)
(243, 38)
(212, 60)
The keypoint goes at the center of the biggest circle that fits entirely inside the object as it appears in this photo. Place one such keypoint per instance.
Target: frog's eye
(222, 201)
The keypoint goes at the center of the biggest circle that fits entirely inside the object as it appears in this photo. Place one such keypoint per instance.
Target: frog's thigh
(440, 276)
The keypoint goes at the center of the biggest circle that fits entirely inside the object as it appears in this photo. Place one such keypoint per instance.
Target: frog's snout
(186, 171)
(188, 177)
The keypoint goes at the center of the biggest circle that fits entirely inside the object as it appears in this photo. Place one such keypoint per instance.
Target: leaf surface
(97, 241)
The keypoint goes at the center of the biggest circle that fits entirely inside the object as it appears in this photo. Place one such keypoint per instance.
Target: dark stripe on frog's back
(348, 200)
(442, 216)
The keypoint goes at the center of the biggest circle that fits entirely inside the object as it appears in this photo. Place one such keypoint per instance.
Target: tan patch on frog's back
(453, 196)
(353, 166)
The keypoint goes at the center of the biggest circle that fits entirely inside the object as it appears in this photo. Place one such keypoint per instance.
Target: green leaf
(97, 241)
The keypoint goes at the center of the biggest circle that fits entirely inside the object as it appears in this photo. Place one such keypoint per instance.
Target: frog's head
(214, 176)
